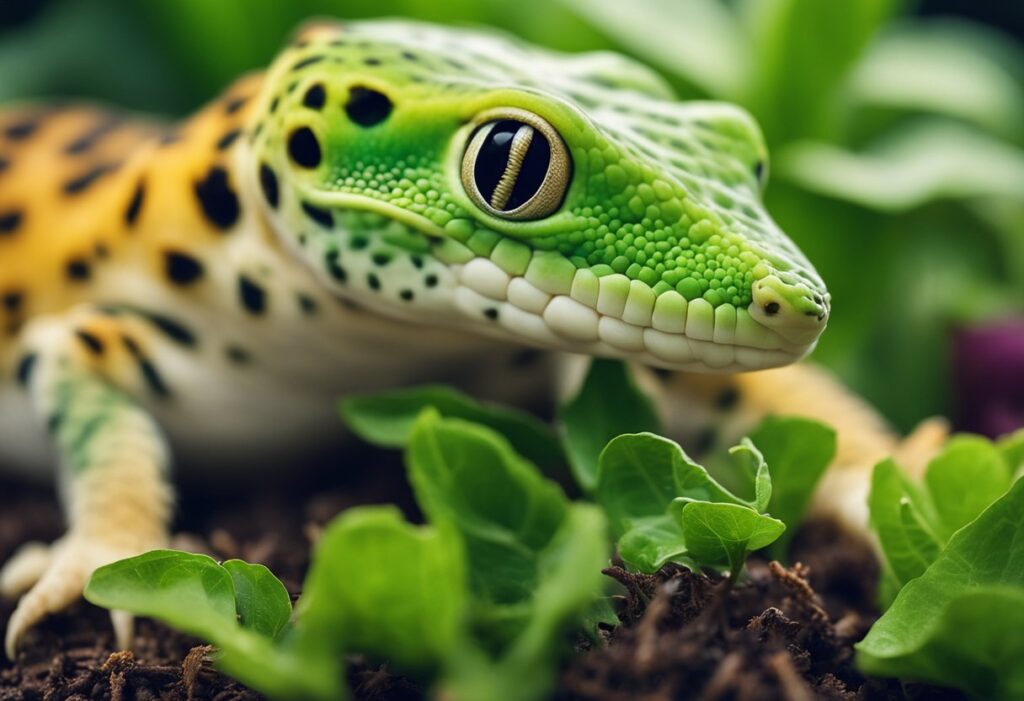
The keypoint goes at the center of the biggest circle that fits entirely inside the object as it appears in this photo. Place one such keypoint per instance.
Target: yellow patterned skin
(84, 192)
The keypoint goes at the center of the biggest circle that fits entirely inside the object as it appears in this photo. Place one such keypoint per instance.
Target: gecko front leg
(83, 371)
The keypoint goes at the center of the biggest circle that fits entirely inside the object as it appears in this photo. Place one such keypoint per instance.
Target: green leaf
(636, 478)
(609, 404)
(469, 476)
(922, 162)
(712, 59)
(802, 51)
(190, 591)
(747, 457)
(569, 581)
(964, 479)
(651, 542)
(383, 587)
(1012, 448)
(721, 535)
(890, 488)
(195, 595)
(959, 624)
(387, 419)
(798, 450)
(261, 600)
(937, 67)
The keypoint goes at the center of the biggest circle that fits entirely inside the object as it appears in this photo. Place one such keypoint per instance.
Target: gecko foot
(51, 578)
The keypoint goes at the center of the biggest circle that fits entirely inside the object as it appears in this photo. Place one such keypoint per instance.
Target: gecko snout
(795, 312)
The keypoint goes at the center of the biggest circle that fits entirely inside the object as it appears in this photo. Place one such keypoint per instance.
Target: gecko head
(464, 179)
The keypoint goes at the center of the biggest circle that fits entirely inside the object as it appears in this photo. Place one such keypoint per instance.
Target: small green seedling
(665, 507)
(474, 603)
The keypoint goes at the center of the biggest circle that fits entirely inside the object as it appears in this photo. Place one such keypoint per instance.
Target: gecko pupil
(511, 165)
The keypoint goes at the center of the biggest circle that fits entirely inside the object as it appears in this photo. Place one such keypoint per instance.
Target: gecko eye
(516, 166)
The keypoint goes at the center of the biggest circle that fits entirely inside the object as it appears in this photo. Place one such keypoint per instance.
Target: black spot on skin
(4, 164)
(78, 270)
(252, 295)
(664, 375)
(727, 399)
(21, 130)
(367, 107)
(307, 62)
(291, 87)
(81, 183)
(216, 198)
(409, 56)
(321, 216)
(307, 304)
(772, 308)
(10, 221)
(315, 97)
(371, 61)
(430, 281)
(304, 148)
(229, 138)
(358, 243)
(152, 377)
(406, 295)
(12, 301)
(759, 170)
(174, 330)
(238, 355)
(93, 344)
(182, 268)
(275, 103)
(705, 441)
(417, 261)
(526, 358)
(89, 139)
(268, 184)
(26, 365)
(491, 314)
(381, 259)
(373, 281)
(235, 104)
(131, 212)
(334, 266)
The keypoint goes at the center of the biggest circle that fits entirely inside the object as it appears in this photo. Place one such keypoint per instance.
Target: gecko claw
(54, 577)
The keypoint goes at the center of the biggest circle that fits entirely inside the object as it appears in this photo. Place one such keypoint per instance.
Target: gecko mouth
(500, 286)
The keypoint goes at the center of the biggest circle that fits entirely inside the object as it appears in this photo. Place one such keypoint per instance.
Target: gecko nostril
(771, 309)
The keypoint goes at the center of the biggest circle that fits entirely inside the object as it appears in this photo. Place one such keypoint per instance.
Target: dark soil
(787, 634)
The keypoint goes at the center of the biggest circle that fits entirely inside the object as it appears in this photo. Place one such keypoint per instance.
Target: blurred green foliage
(897, 142)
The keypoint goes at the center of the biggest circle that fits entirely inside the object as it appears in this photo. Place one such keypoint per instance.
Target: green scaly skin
(661, 251)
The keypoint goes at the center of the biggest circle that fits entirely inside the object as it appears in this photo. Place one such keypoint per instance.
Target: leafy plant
(959, 623)
(475, 601)
(915, 521)
(663, 506)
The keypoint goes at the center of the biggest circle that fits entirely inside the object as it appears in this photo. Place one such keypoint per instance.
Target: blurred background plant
(896, 130)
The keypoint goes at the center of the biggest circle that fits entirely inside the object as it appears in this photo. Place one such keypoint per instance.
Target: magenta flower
(988, 376)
